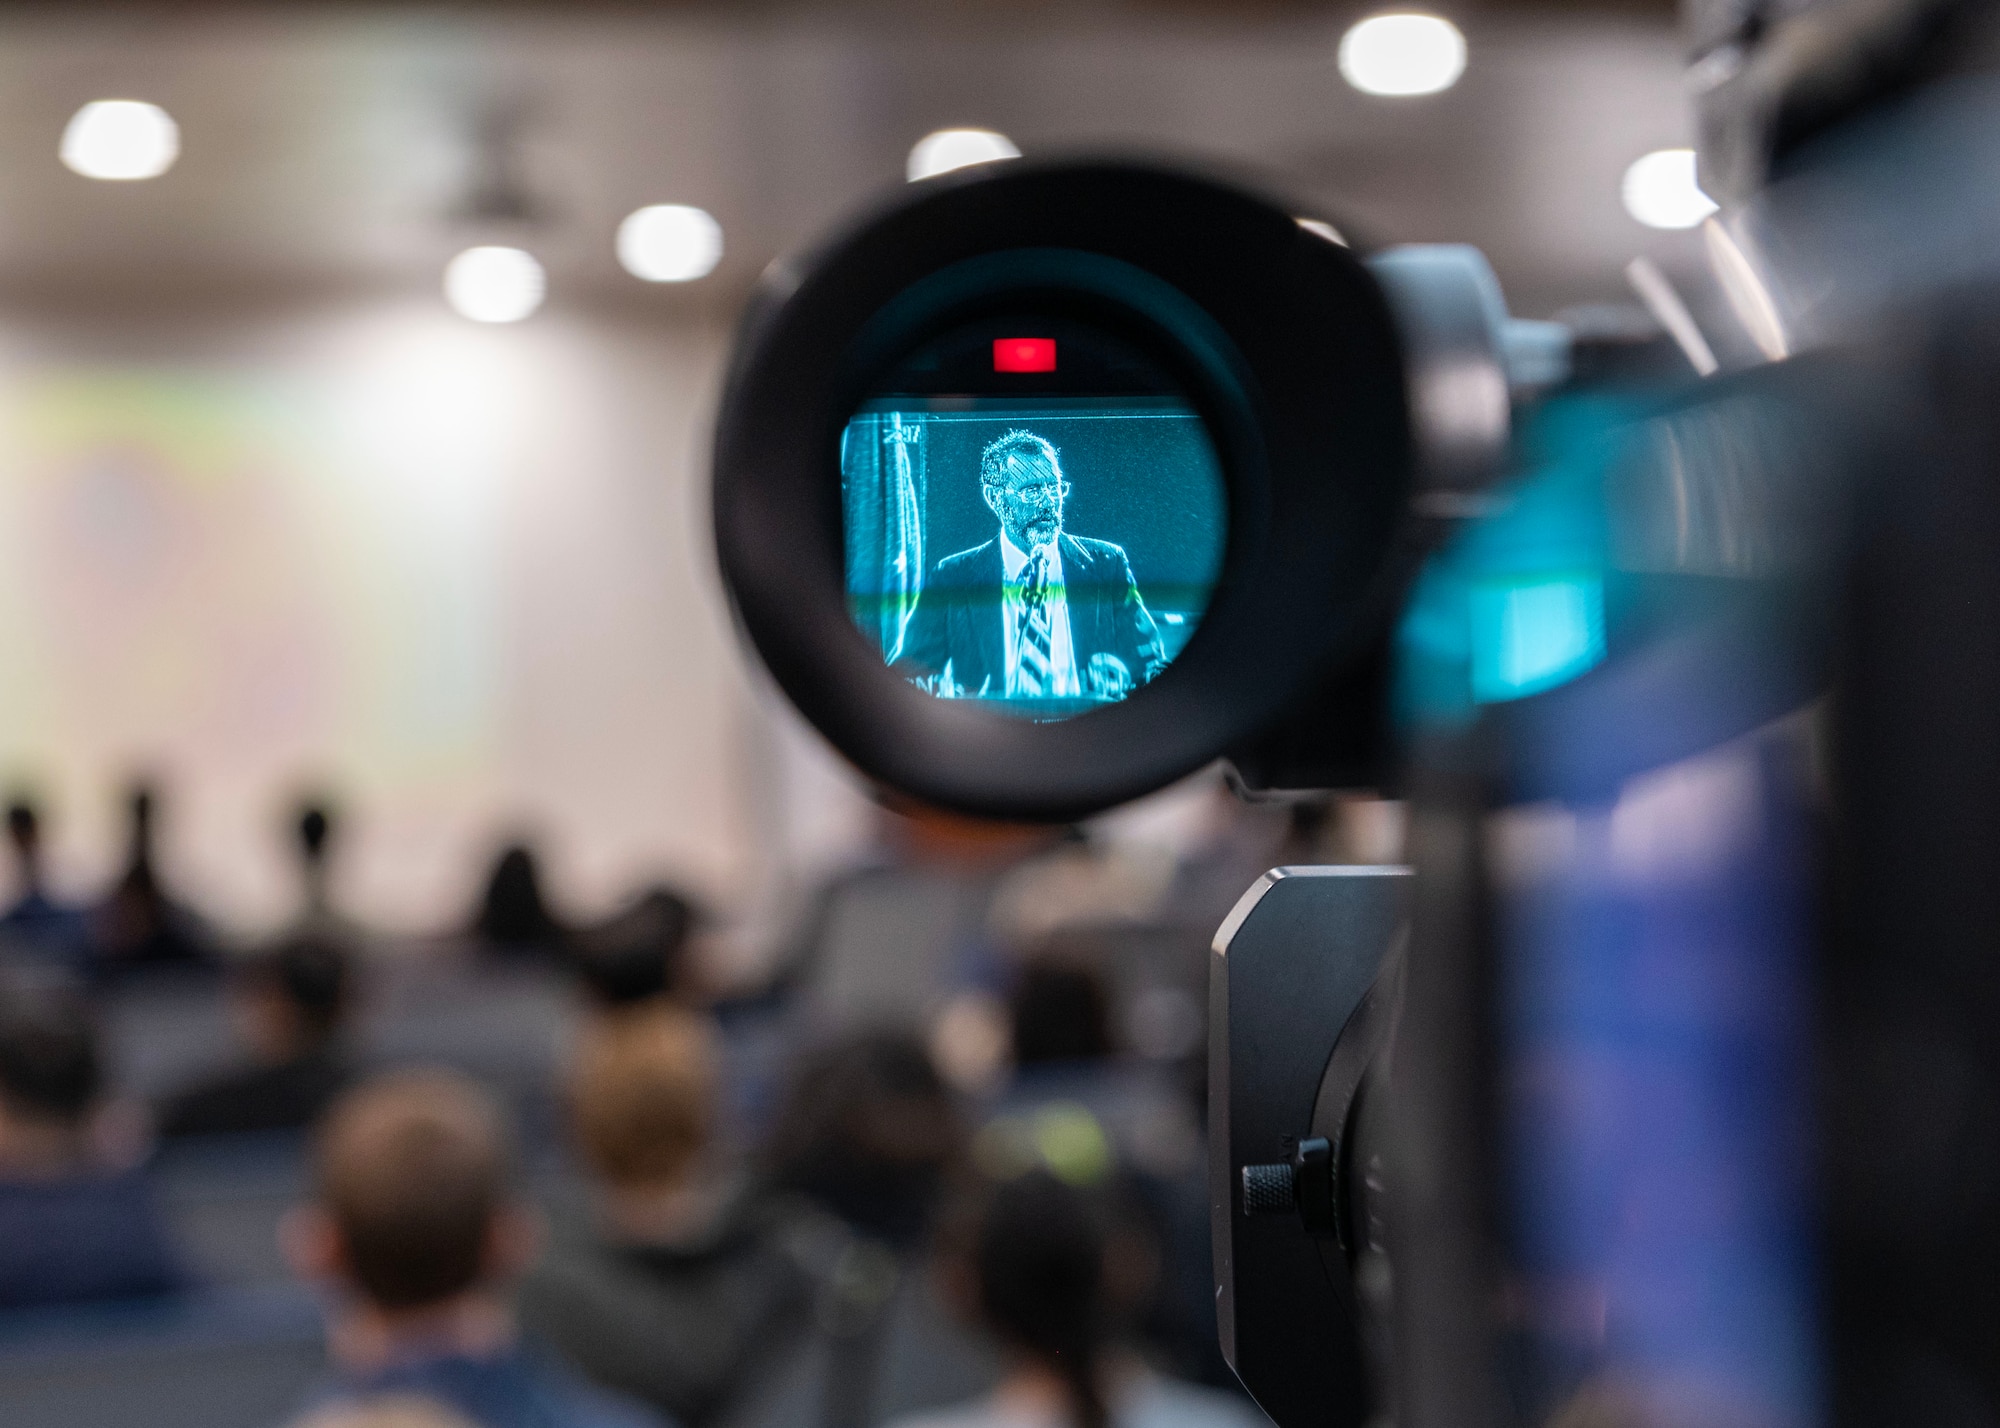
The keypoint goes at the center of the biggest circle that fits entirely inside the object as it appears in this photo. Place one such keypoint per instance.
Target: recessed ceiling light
(670, 243)
(494, 284)
(950, 149)
(1660, 190)
(121, 139)
(1404, 54)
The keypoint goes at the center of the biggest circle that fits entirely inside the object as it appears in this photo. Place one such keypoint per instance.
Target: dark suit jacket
(957, 620)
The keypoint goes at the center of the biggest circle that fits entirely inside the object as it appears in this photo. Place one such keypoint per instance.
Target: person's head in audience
(414, 1220)
(868, 1129)
(51, 1077)
(313, 833)
(1060, 1013)
(513, 914)
(142, 805)
(641, 952)
(77, 1222)
(642, 1094)
(140, 924)
(24, 833)
(1054, 1271)
(292, 1001)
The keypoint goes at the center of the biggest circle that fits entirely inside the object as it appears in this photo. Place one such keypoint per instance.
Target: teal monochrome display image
(1045, 556)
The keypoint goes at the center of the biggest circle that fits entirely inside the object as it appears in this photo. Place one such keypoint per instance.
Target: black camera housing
(1284, 343)
(1303, 997)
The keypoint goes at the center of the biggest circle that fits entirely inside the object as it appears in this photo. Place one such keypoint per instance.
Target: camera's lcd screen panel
(1044, 555)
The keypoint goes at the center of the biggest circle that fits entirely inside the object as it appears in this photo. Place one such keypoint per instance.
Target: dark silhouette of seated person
(140, 925)
(315, 836)
(291, 1006)
(1035, 612)
(885, 943)
(678, 1283)
(513, 918)
(1113, 1111)
(1057, 1271)
(76, 1225)
(315, 833)
(868, 1135)
(1061, 1015)
(416, 1231)
(868, 1131)
(38, 927)
(639, 953)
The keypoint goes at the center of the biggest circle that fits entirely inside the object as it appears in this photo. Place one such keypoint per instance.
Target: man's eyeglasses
(1040, 493)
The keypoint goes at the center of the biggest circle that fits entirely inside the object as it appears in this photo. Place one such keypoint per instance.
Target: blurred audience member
(74, 1225)
(1053, 1272)
(869, 1133)
(139, 924)
(416, 1231)
(513, 916)
(890, 942)
(315, 832)
(315, 837)
(639, 953)
(37, 926)
(1076, 1107)
(681, 1282)
(290, 1006)
(1061, 1017)
(1061, 1014)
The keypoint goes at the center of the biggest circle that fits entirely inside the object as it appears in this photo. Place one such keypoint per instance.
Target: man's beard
(1042, 530)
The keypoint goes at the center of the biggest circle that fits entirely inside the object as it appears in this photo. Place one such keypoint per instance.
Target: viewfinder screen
(1014, 540)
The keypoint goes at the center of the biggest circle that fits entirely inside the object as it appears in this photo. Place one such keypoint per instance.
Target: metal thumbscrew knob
(1301, 1185)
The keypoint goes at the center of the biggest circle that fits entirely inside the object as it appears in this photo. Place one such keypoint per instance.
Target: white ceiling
(326, 151)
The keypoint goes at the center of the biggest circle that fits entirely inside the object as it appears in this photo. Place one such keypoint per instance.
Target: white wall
(460, 575)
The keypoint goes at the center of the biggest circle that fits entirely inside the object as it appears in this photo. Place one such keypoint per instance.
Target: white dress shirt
(1062, 654)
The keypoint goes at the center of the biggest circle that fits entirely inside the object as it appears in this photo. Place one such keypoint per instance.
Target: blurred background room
(441, 982)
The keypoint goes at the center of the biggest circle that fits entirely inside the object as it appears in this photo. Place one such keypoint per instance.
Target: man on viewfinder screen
(1034, 613)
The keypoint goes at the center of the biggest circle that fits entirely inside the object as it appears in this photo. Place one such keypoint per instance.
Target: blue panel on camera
(1533, 634)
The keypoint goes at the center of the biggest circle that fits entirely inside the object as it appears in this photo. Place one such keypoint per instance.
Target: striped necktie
(1037, 662)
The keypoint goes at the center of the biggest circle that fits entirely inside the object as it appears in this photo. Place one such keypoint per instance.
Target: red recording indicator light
(1024, 354)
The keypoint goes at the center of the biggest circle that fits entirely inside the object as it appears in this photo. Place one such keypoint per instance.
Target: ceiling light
(1402, 55)
(670, 243)
(950, 149)
(494, 284)
(121, 139)
(1661, 192)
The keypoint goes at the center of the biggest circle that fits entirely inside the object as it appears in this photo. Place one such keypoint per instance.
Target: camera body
(1051, 483)
(1303, 993)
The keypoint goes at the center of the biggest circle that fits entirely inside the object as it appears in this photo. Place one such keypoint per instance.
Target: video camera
(1050, 483)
